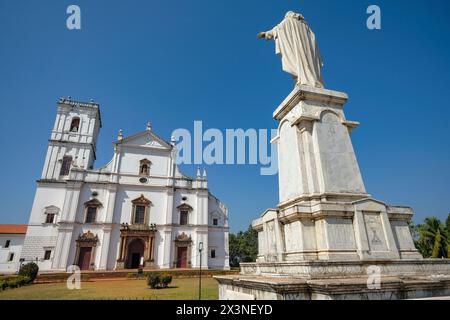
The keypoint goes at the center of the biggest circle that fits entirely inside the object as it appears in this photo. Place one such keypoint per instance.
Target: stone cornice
(74, 103)
(66, 102)
(309, 93)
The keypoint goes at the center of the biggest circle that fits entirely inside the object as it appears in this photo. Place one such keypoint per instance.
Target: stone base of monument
(328, 238)
(338, 281)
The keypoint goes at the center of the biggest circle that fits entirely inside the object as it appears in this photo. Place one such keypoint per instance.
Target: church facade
(137, 210)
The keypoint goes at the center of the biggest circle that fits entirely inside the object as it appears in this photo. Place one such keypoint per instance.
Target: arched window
(144, 167)
(75, 125)
(184, 210)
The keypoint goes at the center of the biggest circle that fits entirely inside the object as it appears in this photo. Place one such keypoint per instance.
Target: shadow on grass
(162, 288)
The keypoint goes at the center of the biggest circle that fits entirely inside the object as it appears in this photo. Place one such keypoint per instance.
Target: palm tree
(433, 238)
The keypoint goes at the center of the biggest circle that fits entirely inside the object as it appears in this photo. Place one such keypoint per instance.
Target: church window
(213, 253)
(47, 254)
(144, 167)
(184, 210)
(7, 243)
(50, 218)
(184, 217)
(75, 125)
(91, 214)
(65, 167)
(91, 208)
(11, 256)
(140, 211)
(51, 213)
(139, 215)
(215, 221)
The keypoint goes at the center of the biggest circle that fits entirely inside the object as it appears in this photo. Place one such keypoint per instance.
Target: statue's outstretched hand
(262, 35)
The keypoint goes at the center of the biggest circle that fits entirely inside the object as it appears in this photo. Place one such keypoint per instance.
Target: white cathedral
(137, 210)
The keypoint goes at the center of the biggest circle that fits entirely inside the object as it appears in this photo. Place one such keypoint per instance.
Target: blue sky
(173, 62)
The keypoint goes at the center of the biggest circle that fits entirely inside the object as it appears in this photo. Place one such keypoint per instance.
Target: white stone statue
(297, 46)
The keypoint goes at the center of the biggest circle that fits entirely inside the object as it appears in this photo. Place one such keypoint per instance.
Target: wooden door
(135, 260)
(135, 251)
(84, 259)
(182, 257)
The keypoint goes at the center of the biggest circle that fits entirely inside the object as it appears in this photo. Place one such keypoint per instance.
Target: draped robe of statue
(297, 46)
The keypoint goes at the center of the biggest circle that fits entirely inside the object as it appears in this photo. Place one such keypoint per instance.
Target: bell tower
(73, 139)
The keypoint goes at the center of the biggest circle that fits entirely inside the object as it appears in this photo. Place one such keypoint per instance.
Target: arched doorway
(136, 250)
(128, 235)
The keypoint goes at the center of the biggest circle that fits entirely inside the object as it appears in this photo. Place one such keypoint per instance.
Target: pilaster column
(168, 244)
(267, 240)
(390, 241)
(110, 203)
(124, 248)
(120, 248)
(151, 247)
(170, 212)
(359, 228)
(279, 240)
(62, 249)
(105, 248)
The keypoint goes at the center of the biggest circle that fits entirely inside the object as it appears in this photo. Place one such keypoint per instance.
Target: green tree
(447, 230)
(433, 240)
(29, 270)
(243, 247)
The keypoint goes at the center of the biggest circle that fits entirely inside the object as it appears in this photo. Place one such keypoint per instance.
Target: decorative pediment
(93, 203)
(145, 161)
(145, 139)
(142, 200)
(185, 207)
(87, 237)
(183, 237)
(51, 210)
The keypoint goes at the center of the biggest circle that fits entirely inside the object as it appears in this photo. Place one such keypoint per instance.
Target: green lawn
(180, 288)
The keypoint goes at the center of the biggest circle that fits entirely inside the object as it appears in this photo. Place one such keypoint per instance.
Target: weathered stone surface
(342, 288)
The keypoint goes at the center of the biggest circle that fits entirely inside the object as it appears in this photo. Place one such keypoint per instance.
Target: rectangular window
(183, 218)
(91, 214)
(65, 167)
(139, 214)
(50, 218)
(11, 257)
(215, 222)
(47, 254)
(213, 253)
(7, 243)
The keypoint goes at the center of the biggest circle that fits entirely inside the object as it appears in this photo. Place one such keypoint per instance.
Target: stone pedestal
(326, 231)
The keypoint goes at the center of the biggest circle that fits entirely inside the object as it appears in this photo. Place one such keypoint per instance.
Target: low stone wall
(98, 275)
